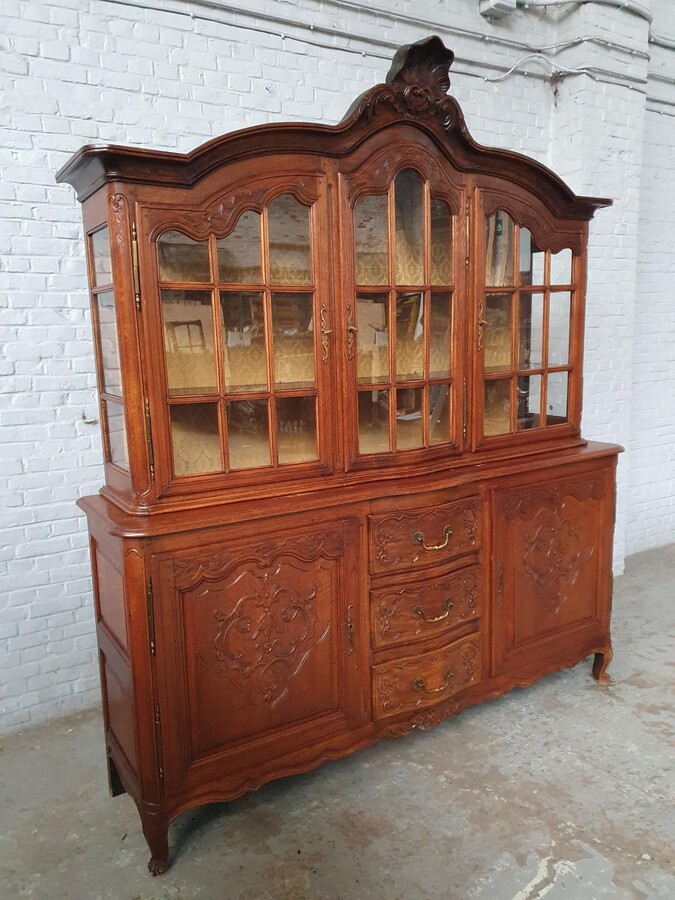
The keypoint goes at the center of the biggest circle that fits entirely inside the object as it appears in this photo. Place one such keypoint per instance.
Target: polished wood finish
(346, 493)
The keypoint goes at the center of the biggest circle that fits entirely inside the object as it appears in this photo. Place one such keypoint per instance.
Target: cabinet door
(260, 651)
(552, 571)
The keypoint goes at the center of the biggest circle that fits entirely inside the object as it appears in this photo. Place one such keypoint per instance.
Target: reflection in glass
(370, 229)
(529, 402)
(559, 328)
(497, 407)
(248, 436)
(293, 340)
(111, 372)
(188, 342)
(288, 225)
(499, 232)
(409, 422)
(409, 336)
(530, 330)
(372, 338)
(556, 398)
(182, 259)
(296, 429)
(117, 434)
(561, 267)
(439, 413)
(440, 335)
(100, 254)
(409, 204)
(244, 355)
(373, 422)
(531, 260)
(195, 438)
(497, 333)
(239, 252)
(441, 243)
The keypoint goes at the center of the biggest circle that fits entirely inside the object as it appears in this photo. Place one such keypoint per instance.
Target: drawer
(425, 609)
(421, 681)
(424, 537)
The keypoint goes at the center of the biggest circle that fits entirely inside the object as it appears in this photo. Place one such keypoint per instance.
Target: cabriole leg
(156, 831)
(600, 664)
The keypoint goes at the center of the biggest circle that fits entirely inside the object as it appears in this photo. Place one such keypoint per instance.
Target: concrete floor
(564, 790)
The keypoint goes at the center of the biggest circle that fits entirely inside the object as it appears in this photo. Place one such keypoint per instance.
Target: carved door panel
(552, 570)
(261, 649)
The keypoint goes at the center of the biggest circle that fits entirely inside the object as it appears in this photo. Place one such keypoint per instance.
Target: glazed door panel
(552, 567)
(262, 648)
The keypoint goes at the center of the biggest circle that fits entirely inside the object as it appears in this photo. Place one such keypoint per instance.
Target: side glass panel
(182, 259)
(440, 335)
(195, 438)
(373, 421)
(296, 429)
(438, 404)
(100, 256)
(372, 243)
(559, 329)
(441, 243)
(409, 422)
(409, 227)
(372, 315)
(529, 402)
(498, 332)
(111, 370)
(239, 254)
(556, 398)
(117, 433)
(530, 330)
(531, 260)
(561, 267)
(188, 342)
(499, 241)
(293, 340)
(289, 252)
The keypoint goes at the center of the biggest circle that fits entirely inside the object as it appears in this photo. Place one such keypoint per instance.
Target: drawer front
(421, 681)
(424, 537)
(426, 609)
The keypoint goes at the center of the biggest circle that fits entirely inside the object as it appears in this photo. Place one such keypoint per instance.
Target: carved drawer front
(424, 537)
(421, 681)
(426, 609)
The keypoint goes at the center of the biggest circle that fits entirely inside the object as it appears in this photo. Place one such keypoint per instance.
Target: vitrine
(346, 494)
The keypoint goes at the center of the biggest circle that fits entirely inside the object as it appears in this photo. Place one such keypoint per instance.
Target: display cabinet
(346, 494)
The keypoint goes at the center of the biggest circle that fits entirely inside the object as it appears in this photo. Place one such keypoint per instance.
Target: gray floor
(563, 790)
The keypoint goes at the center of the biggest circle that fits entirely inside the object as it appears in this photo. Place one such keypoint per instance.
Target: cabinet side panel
(116, 686)
(109, 594)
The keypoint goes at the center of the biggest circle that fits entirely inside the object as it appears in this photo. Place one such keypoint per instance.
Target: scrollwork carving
(120, 224)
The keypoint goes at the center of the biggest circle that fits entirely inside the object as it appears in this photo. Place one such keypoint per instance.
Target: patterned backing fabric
(497, 412)
(193, 372)
(196, 448)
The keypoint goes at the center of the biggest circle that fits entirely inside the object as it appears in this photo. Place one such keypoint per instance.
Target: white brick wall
(77, 71)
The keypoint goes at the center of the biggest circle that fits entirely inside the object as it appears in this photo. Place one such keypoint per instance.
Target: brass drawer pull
(419, 684)
(418, 539)
(418, 613)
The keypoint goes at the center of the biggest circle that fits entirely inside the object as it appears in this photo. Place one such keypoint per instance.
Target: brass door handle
(419, 684)
(418, 539)
(325, 331)
(351, 331)
(418, 613)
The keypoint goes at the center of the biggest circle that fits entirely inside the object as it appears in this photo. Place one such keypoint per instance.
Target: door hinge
(500, 583)
(148, 438)
(134, 263)
(350, 629)
(158, 743)
(467, 222)
(149, 603)
(465, 423)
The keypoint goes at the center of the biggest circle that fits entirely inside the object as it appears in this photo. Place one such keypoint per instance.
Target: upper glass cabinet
(240, 323)
(525, 318)
(405, 294)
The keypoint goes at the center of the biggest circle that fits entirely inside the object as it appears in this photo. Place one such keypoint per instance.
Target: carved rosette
(120, 224)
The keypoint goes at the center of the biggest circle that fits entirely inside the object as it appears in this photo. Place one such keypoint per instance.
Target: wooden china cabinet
(346, 494)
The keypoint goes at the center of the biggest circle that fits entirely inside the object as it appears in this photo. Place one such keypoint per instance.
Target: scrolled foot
(600, 664)
(157, 866)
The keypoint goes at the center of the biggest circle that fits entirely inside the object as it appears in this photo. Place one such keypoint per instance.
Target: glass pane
(529, 402)
(100, 254)
(409, 336)
(409, 423)
(497, 333)
(373, 422)
(111, 372)
(239, 252)
(499, 231)
(497, 407)
(117, 434)
(182, 259)
(288, 225)
(188, 342)
(195, 438)
(556, 398)
(373, 338)
(372, 244)
(531, 260)
(441, 243)
(296, 429)
(293, 340)
(244, 355)
(409, 202)
(248, 434)
(531, 331)
(439, 413)
(561, 267)
(440, 335)
(559, 329)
